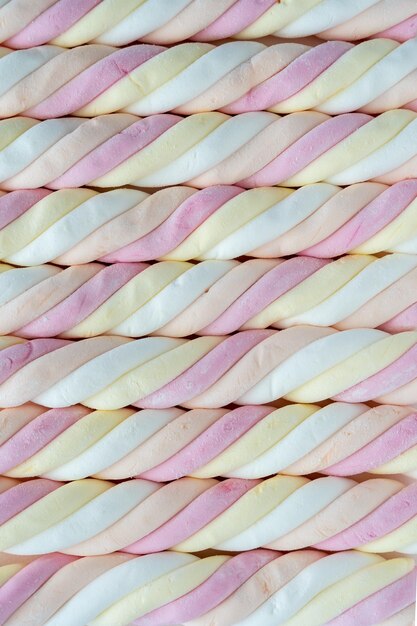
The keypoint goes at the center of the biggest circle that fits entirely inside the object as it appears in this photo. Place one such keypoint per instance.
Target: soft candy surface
(340, 439)
(236, 77)
(257, 587)
(253, 149)
(179, 299)
(74, 226)
(90, 517)
(300, 364)
(73, 22)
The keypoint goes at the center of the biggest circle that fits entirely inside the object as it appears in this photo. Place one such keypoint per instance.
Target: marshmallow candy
(72, 22)
(252, 149)
(236, 77)
(178, 299)
(257, 587)
(246, 442)
(92, 517)
(300, 364)
(74, 226)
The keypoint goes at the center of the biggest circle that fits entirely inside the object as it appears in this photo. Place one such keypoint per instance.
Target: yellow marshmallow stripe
(336, 599)
(356, 368)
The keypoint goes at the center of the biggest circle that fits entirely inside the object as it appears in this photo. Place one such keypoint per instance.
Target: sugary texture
(70, 23)
(92, 517)
(257, 587)
(246, 442)
(179, 299)
(334, 77)
(74, 226)
(300, 364)
(252, 149)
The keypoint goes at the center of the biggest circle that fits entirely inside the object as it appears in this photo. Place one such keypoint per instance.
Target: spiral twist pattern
(178, 299)
(257, 587)
(300, 364)
(333, 77)
(123, 479)
(252, 149)
(247, 442)
(70, 23)
(90, 517)
(75, 226)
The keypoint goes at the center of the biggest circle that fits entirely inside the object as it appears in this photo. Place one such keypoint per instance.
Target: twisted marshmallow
(300, 364)
(72, 22)
(178, 299)
(257, 587)
(334, 77)
(74, 226)
(92, 517)
(252, 149)
(246, 442)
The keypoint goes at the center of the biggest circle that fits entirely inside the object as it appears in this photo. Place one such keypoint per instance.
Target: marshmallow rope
(253, 149)
(179, 299)
(300, 364)
(246, 442)
(257, 587)
(93, 517)
(69, 23)
(75, 226)
(237, 77)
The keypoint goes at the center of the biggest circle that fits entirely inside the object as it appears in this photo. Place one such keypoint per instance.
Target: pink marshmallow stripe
(183, 221)
(17, 356)
(289, 81)
(212, 442)
(406, 320)
(193, 517)
(37, 434)
(83, 301)
(57, 19)
(266, 290)
(115, 150)
(219, 586)
(402, 371)
(241, 14)
(380, 605)
(368, 221)
(22, 585)
(401, 32)
(393, 442)
(15, 203)
(18, 498)
(307, 149)
(205, 372)
(393, 513)
(93, 81)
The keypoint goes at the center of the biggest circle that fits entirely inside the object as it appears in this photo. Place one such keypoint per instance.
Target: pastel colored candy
(246, 442)
(257, 587)
(300, 364)
(236, 77)
(92, 517)
(72, 22)
(179, 299)
(253, 149)
(74, 226)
